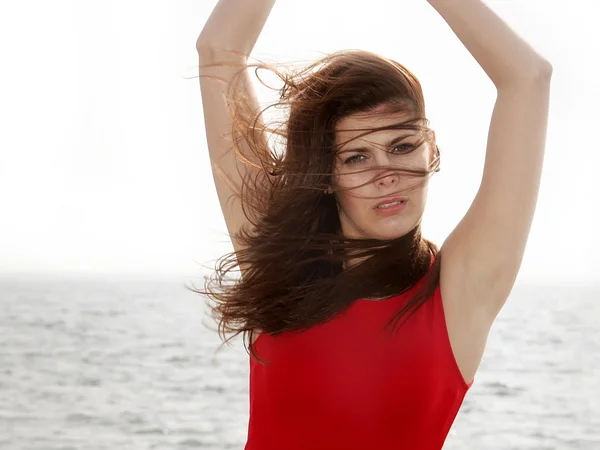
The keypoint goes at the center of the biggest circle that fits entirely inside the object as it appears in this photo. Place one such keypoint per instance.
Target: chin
(369, 227)
(392, 230)
(389, 235)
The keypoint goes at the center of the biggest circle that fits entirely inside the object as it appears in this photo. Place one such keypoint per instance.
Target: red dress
(347, 385)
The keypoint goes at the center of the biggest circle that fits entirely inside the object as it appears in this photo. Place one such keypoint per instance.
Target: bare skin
(483, 254)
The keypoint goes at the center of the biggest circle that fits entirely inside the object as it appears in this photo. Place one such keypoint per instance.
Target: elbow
(541, 71)
(203, 45)
(210, 50)
(539, 74)
(206, 44)
(544, 72)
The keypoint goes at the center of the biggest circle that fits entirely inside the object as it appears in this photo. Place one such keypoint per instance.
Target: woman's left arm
(483, 254)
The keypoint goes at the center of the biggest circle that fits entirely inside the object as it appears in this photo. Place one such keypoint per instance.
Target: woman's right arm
(226, 41)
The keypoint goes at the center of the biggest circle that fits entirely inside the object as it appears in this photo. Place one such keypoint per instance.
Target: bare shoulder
(257, 332)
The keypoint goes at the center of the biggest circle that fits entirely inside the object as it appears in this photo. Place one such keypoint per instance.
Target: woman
(326, 233)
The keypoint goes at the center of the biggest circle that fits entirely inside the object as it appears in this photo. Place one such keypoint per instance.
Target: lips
(387, 201)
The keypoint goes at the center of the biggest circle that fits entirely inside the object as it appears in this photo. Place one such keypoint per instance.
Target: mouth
(391, 203)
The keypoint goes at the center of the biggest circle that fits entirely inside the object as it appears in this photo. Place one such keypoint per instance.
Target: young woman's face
(359, 161)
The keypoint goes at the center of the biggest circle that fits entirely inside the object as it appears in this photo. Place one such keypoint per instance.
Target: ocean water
(130, 365)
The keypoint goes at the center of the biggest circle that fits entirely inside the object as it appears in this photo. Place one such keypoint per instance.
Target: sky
(104, 168)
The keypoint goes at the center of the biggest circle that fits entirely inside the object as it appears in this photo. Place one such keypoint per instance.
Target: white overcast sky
(103, 160)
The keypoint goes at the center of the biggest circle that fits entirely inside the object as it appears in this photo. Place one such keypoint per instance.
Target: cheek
(417, 160)
(352, 180)
(356, 190)
(351, 204)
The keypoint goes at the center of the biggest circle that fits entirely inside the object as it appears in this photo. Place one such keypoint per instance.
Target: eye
(354, 159)
(407, 148)
(400, 148)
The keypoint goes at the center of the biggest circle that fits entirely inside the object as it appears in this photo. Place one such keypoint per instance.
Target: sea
(112, 363)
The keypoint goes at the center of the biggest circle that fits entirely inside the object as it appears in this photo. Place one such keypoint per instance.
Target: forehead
(352, 126)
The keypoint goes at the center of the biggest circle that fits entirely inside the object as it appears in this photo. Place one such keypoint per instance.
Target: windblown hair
(293, 254)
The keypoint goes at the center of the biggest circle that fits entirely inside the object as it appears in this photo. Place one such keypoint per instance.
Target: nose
(390, 178)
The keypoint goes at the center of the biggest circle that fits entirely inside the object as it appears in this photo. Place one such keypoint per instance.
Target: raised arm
(483, 254)
(224, 46)
(234, 25)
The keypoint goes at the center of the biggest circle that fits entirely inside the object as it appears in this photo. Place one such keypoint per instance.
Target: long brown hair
(294, 252)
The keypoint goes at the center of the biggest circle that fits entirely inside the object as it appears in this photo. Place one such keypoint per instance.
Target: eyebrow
(362, 149)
